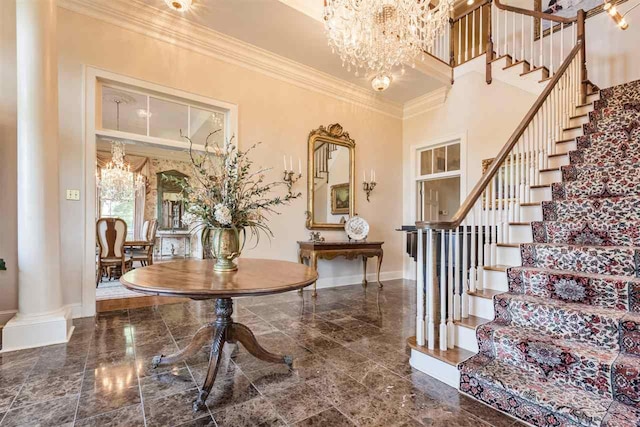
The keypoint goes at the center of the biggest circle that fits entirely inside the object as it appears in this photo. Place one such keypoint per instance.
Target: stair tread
(539, 186)
(603, 312)
(551, 271)
(508, 245)
(484, 293)
(497, 267)
(531, 204)
(513, 64)
(472, 322)
(534, 69)
(558, 155)
(453, 356)
(578, 116)
(547, 394)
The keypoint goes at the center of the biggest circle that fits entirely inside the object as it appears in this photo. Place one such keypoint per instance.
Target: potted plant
(225, 200)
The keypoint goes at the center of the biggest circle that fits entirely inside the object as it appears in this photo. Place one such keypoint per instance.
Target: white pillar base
(23, 332)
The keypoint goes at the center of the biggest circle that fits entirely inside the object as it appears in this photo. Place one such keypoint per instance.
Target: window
(121, 209)
(160, 116)
(439, 160)
(438, 182)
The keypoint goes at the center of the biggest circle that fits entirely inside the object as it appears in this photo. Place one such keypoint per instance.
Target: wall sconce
(290, 177)
(368, 186)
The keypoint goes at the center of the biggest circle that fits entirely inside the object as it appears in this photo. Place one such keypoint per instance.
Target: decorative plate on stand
(356, 228)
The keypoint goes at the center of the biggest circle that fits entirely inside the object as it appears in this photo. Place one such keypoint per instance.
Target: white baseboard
(435, 368)
(332, 282)
(22, 332)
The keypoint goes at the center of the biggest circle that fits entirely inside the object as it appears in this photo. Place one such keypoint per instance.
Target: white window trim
(416, 177)
(94, 78)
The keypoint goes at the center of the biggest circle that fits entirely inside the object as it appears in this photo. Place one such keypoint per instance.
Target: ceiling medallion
(179, 5)
(378, 35)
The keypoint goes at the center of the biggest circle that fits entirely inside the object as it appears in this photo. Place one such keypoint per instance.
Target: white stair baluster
(443, 293)
(465, 271)
(450, 325)
(456, 277)
(420, 296)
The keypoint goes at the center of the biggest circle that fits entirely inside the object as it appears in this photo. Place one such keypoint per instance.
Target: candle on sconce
(299, 166)
(364, 176)
(284, 161)
(374, 175)
(291, 163)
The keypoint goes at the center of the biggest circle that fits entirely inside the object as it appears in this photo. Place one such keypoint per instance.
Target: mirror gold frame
(334, 134)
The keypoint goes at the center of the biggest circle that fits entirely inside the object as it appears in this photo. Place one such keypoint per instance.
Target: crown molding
(424, 103)
(163, 25)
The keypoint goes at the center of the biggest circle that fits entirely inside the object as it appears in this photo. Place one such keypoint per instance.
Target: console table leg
(314, 265)
(364, 271)
(379, 266)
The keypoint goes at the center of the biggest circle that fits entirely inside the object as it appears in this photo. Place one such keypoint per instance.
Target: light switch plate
(73, 194)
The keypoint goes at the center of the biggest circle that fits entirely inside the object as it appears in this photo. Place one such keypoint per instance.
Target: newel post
(583, 56)
(489, 54)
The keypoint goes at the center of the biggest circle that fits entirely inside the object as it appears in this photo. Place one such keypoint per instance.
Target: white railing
(452, 255)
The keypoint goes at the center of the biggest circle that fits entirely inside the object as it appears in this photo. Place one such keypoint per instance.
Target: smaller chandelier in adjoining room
(115, 181)
(377, 36)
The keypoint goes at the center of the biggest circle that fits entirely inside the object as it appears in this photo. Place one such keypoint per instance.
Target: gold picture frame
(340, 203)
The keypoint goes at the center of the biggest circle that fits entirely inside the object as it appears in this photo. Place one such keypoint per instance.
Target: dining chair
(144, 255)
(111, 234)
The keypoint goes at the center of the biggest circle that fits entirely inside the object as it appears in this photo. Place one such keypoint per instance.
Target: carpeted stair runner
(564, 348)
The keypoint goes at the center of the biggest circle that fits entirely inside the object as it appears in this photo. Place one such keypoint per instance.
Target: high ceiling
(293, 29)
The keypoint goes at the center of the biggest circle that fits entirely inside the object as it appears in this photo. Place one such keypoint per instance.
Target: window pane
(167, 119)
(203, 122)
(425, 162)
(439, 159)
(453, 157)
(124, 111)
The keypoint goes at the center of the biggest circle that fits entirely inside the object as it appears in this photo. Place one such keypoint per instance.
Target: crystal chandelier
(379, 35)
(115, 182)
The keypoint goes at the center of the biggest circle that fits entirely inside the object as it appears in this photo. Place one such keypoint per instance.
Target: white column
(42, 319)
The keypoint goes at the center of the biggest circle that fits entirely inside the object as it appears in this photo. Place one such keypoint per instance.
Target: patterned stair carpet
(564, 348)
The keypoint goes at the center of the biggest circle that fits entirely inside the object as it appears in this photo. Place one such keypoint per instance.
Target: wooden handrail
(496, 164)
(535, 14)
(470, 11)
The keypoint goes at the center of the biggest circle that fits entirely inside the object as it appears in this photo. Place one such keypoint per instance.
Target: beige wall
(272, 111)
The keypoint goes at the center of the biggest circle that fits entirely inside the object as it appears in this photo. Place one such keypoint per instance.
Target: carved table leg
(379, 266)
(241, 333)
(364, 271)
(212, 371)
(202, 336)
(226, 331)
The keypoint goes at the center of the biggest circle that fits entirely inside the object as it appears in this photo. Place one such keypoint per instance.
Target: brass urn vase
(224, 244)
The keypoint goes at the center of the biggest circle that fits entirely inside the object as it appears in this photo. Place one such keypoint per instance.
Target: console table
(311, 252)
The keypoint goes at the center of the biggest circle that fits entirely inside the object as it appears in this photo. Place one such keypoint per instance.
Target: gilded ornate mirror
(331, 176)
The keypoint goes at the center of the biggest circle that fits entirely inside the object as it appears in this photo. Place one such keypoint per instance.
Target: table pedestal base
(223, 330)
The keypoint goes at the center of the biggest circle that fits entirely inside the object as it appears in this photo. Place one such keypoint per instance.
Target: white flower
(188, 218)
(222, 214)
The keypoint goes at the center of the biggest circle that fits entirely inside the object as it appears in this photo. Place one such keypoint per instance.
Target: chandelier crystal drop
(115, 181)
(378, 35)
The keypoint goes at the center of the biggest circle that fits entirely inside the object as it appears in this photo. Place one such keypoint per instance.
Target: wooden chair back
(111, 234)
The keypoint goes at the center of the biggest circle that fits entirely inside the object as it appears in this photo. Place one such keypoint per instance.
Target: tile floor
(351, 369)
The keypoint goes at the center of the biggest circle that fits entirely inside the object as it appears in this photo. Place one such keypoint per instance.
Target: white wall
(486, 114)
(270, 110)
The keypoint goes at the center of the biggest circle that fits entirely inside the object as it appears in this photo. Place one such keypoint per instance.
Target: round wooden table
(196, 279)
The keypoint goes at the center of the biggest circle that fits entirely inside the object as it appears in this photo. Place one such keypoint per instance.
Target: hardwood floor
(139, 302)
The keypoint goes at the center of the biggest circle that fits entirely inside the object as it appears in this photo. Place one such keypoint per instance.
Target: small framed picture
(340, 199)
